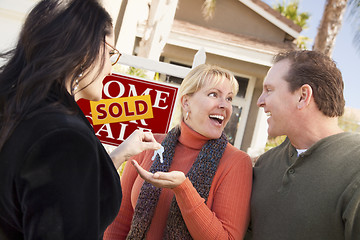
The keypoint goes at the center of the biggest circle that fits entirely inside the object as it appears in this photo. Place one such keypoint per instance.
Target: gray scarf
(201, 175)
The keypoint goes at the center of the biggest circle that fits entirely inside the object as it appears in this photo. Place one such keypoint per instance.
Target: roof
(187, 28)
(240, 47)
(273, 16)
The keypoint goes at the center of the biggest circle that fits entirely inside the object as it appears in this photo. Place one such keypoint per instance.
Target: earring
(76, 85)
(187, 116)
(77, 82)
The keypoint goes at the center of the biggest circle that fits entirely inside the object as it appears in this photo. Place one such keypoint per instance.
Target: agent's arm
(59, 188)
(136, 143)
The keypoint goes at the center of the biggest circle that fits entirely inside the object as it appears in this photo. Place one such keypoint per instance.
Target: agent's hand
(160, 179)
(137, 142)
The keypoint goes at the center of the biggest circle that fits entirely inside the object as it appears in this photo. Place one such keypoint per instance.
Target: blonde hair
(205, 75)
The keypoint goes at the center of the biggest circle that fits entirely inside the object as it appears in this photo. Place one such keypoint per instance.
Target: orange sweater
(226, 214)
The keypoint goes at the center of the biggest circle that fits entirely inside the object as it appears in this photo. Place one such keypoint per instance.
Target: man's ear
(306, 94)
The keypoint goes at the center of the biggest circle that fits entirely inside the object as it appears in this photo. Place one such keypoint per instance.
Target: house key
(160, 152)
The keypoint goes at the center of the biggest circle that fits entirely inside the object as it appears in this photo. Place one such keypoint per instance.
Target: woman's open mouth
(217, 118)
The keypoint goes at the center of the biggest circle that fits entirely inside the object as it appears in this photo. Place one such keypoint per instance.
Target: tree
(330, 25)
(354, 6)
(331, 22)
(208, 9)
(291, 12)
(350, 121)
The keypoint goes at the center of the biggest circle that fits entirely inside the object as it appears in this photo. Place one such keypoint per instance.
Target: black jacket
(56, 179)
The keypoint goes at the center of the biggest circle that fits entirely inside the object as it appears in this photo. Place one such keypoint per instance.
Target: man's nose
(260, 101)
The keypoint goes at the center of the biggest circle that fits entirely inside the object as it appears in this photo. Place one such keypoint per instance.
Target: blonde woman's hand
(137, 142)
(160, 179)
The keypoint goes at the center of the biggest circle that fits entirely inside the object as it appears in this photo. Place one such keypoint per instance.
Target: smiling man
(309, 186)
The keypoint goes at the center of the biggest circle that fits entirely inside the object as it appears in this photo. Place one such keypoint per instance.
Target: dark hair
(321, 73)
(59, 40)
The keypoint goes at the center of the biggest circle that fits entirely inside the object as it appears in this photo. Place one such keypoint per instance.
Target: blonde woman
(202, 188)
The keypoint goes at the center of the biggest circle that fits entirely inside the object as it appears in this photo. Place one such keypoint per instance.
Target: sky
(344, 54)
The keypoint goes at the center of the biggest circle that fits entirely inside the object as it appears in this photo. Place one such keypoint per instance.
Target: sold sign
(130, 103)
(121, 109)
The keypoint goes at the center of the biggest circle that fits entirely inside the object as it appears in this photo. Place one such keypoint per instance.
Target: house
(242, 36)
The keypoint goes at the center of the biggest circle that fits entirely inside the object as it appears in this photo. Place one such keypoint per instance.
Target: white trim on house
(245, 112)
(155, 66)
(221, 48)
(226, 49)
(12, 15)
(260, 135)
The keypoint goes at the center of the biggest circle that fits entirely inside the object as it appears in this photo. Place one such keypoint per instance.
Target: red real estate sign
(130, 103)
